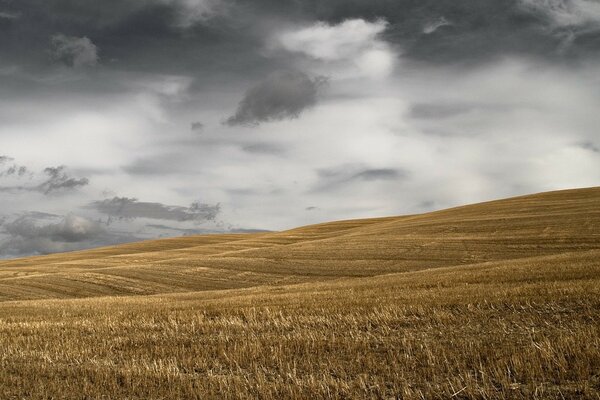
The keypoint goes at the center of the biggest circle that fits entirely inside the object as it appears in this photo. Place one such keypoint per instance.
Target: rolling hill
(528, 226)
(498, 300)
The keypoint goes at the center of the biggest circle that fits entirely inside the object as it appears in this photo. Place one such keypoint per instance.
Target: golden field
(498, 300)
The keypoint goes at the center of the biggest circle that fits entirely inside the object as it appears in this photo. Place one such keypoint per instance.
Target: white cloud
(353, 47)
(434, 25)
(174, 87)
(333, 42)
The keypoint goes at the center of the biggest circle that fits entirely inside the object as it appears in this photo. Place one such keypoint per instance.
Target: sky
(125, 120)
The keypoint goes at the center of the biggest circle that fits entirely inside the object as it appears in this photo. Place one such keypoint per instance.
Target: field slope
(498, 300)
(536, 225)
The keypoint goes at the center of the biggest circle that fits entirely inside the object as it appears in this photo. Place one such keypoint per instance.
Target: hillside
(536, 225)
(497, 300)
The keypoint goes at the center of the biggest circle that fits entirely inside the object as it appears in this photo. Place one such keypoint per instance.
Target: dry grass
(493, 301)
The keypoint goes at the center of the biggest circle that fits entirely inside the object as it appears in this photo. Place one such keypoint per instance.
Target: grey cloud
(197, 126)
(590, 146)
(426, 205)
(14, 170)
(438, 110)
(137, 37)
(40, 215)
(346, 174)
(378, 174)
(11, 170)
(42, 233)
(283, 95)
(565, 13)
(191, 12)
(349, 173)
(8, 15)
(145, 166)
(311, 208)
(130, 208)
(114, 14)
(255, 191)
(238, 192)
(263, 148)
(71, 229)
(74, 51)
(57, 181)
(447, 109)
(567, 20)
(162, 164)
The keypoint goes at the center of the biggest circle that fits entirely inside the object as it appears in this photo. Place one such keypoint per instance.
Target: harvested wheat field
(498, 300)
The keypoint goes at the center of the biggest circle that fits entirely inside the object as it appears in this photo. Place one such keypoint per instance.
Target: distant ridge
(538, 225)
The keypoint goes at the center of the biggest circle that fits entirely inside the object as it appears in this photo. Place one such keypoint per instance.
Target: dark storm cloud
(283, 95)
(42, 233)
(227, 38)
(152, 36)
(130, 208)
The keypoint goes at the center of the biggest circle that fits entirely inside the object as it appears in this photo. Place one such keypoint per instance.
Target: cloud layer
(129, 208)
(56, 180)
(268, 114)
(566, 13)
(40, 233)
